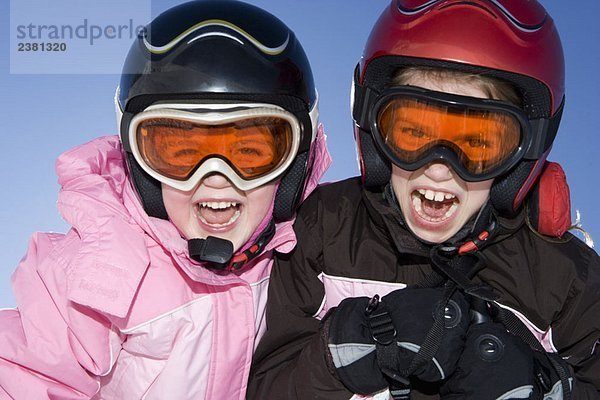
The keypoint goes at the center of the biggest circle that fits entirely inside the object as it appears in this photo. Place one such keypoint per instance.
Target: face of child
(435, 201)
(218, 208)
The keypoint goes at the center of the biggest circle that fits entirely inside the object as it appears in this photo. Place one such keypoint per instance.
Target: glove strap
(383, 333)
(434, 337)
(452, 265)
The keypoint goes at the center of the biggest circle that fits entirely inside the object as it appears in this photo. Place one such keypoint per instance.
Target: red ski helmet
(512, 41)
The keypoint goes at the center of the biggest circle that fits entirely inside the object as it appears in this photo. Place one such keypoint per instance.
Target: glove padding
(412, 312)
(495, 364)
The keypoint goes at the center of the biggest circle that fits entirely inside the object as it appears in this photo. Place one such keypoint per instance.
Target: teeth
(218, 205)
(231, 221)
(451, 210)
(416, 200)
(436, 196)
(418, 205)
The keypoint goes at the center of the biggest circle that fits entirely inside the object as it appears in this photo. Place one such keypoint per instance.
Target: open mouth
(434, 206)
(218, 214)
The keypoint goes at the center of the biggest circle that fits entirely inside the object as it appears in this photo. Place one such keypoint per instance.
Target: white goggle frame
(214, 114)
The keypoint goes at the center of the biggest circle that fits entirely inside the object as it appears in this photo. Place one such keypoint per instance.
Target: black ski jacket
(352, 242)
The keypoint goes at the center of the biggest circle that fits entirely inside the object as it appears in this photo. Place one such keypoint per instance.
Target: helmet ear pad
(549, 203)
(374, 167)
(509, 191)
(148, 188)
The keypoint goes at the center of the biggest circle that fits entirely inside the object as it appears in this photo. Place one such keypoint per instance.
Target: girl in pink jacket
(158, 290)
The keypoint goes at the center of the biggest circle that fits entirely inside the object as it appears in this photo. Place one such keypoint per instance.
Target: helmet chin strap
(217, 253)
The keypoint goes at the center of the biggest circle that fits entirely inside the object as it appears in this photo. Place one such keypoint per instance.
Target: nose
(438, 172)
(216, 181)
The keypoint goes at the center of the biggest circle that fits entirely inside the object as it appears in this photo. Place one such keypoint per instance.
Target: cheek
(257, 212)
(260, 200)
(173, 197)
(400, 180)
(177, 203)
(479, 192)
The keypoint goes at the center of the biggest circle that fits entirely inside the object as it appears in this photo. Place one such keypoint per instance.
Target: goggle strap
(376, 169)
(290, 188)
(356, 94)
(538, 142)
(148, 188)
(363, 99)
(544, 132)
(124, 129)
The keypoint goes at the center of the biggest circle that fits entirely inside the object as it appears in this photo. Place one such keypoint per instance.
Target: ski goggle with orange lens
(479, 138)
(250, 146)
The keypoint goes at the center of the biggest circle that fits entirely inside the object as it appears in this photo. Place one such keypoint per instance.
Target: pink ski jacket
(115, 308)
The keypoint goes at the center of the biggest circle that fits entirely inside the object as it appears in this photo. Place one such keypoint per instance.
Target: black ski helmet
(515, 41)
(219, 51)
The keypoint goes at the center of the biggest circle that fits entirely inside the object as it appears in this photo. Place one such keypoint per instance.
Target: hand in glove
(495, 364)
(410, 312)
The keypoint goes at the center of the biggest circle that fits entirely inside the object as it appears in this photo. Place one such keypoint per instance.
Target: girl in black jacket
(446, 270)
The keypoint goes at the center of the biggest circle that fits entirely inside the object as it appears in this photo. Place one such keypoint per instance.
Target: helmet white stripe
(216, 22)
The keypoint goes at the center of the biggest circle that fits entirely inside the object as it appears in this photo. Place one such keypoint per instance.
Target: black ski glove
(359, 361)
(495, 364)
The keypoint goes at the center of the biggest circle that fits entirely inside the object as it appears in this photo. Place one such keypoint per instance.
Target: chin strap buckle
(217, 253)
(480, 241)
(214, 251)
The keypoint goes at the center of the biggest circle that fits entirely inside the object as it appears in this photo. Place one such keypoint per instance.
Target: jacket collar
(389, 218)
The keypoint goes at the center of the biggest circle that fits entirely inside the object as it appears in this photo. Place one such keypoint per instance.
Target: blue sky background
(46, 114)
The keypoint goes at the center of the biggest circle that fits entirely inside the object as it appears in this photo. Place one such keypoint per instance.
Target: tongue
(220, 216)
(435, 209)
